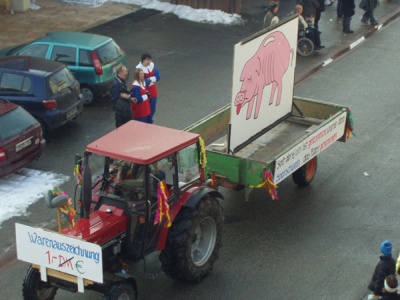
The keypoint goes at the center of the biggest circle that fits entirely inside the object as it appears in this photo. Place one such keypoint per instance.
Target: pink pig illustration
(267, 66)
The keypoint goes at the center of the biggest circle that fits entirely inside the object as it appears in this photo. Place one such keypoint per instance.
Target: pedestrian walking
(310, 10)
(319, 10)
(348, 7)
(386, 266)
(141, 107)
(390, 289)
(339, 12)
(151, 75)
(271, 16)
(118, 88)
(368, 6)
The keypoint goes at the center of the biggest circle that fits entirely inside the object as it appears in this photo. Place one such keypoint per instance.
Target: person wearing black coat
(385, 267)
(347, 12)
(123, 111)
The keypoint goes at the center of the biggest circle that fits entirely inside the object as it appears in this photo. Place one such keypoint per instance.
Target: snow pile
(19, 190)
(188, 13)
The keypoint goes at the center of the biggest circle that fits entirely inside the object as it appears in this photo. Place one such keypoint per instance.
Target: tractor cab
(137, 157)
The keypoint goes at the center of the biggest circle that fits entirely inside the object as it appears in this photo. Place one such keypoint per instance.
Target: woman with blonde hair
(141, 107)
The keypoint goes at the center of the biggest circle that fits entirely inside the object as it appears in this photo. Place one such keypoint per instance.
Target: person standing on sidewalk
(348, 7)
(118, 88)
(151, 76)
(141, 107)
(368, 6)
(271, 17)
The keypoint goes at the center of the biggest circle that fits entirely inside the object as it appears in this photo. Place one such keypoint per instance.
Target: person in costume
(141, 107)
(151, 76)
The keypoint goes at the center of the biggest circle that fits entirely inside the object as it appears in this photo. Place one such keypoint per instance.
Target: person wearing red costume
(141, 107)
(151, 76)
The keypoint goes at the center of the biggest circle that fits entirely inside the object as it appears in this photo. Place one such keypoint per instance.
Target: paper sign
(59, 252)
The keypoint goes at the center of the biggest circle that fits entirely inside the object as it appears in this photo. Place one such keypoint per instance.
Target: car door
(66, 55)
(18, 88)
(36, 50)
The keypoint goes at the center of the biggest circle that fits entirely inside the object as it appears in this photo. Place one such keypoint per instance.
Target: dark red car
(21, 139)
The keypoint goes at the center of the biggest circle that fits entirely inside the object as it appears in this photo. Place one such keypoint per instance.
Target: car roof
(30, 64)
(82, 39)
(6, 106)
(142, 143)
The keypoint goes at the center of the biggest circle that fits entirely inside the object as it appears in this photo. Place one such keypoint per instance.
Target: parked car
(21, 140)
(46, 89)
(92, 58)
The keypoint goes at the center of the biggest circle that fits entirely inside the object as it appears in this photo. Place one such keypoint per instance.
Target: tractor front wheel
(305, 174)
(34, 288)
(193, 241)
(120, 291)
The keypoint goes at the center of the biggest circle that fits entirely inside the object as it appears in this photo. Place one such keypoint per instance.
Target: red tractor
(151, 196)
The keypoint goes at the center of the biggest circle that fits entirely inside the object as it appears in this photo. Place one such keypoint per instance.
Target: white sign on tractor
(59, 252)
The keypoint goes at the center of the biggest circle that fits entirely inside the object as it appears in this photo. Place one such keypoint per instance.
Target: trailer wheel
(34, 288)
(193, 241)
(304, 175)
(120, 291)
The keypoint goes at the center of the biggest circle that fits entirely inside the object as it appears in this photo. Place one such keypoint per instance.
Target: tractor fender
(192, 199)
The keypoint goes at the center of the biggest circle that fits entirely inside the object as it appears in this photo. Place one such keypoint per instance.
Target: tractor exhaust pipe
(86, 186)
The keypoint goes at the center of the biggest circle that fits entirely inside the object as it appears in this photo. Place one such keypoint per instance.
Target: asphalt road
(320, 242)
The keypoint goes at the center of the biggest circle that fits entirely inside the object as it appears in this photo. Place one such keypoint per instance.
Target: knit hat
(386, 248)
(390, 284)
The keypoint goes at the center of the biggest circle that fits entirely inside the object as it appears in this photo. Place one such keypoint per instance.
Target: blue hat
(386, 248)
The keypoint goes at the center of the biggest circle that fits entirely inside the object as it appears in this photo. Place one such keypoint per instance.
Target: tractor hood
(102, 225)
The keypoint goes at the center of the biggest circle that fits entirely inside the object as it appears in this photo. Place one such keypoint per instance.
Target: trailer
(289, 148)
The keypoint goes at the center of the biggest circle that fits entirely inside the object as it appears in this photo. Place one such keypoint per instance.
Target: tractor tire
(120, 291)
(34, 288)
(194, 241)
(304, 175)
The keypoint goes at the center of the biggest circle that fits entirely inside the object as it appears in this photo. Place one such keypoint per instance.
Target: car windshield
(60, 81)
(14, 122)
(109, 52)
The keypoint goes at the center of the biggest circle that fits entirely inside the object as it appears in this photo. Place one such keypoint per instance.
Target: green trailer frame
(247, 167)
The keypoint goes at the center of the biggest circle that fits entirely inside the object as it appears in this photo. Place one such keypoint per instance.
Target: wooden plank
(63, 276)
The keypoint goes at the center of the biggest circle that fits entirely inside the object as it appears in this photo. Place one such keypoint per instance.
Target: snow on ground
(187, 13)
(19, 190)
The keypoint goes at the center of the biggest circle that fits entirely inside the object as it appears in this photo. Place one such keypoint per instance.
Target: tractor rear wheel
(34, 288)
(305, 174)
(120, 291)
(193, 241)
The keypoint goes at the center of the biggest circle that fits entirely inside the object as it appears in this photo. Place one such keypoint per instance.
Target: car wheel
(88, 95)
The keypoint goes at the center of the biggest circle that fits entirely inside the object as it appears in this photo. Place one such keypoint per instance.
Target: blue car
(46, 89)
(91, 58)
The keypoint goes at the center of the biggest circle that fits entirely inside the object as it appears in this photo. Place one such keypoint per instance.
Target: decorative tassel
(163, 207)
(349, 125)
(78, 173)
(203, 159)
(268, 185)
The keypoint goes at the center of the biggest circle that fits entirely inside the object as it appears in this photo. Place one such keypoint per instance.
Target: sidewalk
(22, 27)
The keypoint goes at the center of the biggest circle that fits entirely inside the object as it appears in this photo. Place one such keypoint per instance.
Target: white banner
(309, 148)
(263, 79)
(59, 252)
